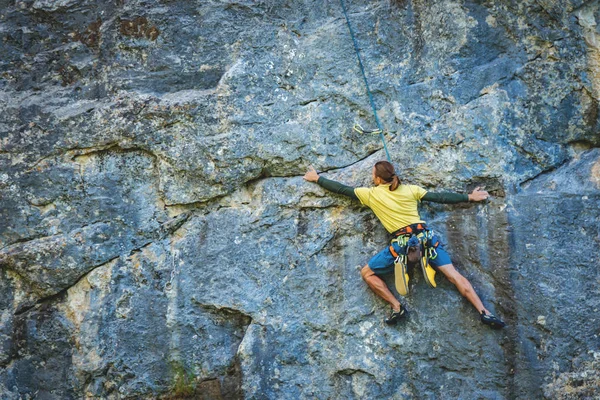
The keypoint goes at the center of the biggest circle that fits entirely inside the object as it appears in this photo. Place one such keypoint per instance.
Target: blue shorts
(382, 263)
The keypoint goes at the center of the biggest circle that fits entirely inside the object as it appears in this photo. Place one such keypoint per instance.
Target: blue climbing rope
(362, 70)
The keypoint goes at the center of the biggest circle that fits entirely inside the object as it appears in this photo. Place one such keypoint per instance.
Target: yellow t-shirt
(394, 209)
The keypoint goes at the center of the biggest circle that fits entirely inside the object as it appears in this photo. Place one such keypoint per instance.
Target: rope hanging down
(362, 70)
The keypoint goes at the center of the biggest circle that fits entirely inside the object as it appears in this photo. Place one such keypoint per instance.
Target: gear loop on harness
(432, 253)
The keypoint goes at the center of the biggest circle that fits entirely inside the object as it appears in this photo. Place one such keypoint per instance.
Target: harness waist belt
(410, 229)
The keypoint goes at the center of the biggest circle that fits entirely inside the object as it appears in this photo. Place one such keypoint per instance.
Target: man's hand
(311, 175)
(478, 194)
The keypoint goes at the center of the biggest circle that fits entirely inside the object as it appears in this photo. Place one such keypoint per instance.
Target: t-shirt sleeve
(363, 195)
(418, 192)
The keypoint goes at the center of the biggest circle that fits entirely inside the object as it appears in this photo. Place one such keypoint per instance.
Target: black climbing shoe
(491, 320)
(396, 316)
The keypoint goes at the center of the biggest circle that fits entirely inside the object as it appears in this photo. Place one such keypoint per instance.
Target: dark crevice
(351, 371)
(226, 311)
(307, 102)
(535, 58)
(543, 173)
(172, 225)
(353, 163)
(60, 295)
(57, 296)
(314, 207)
(113, 147)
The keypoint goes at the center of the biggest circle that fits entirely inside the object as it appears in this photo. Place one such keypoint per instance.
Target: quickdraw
(364, 75)
(360, 129)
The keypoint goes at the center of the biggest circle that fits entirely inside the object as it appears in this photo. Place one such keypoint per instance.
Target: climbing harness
(362, 70)
(417, 245)
(409, 229)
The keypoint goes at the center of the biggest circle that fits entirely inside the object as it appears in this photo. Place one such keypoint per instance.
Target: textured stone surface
(563, 233)
(157, 239)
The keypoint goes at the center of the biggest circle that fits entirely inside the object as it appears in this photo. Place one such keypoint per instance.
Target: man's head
(384, 173)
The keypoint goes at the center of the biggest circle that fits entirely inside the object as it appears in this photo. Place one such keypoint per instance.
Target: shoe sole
(427, 270)
(494, 324)
(401, 278)
(401, 317)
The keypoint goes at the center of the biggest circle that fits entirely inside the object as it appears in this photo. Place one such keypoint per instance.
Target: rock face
(157, 239)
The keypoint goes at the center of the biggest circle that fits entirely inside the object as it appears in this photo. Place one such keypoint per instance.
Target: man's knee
(454, 276)
(449, 272)
(366, 272)
(462, 284)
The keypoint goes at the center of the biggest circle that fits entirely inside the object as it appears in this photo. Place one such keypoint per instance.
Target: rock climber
(395, 204)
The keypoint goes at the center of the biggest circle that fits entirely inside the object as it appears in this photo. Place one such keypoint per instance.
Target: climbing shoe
(428, 272)
(401, 277)
(396, 316)
(491, 320)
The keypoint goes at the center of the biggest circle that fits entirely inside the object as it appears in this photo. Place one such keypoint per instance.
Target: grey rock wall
(157, 239)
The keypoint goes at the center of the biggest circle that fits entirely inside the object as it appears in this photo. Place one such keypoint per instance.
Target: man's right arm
(337, 187)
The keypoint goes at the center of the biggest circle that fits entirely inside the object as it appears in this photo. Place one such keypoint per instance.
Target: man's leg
(378, 286)
(464, 286)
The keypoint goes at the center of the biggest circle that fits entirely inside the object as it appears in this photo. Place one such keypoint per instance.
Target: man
(395, 205)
